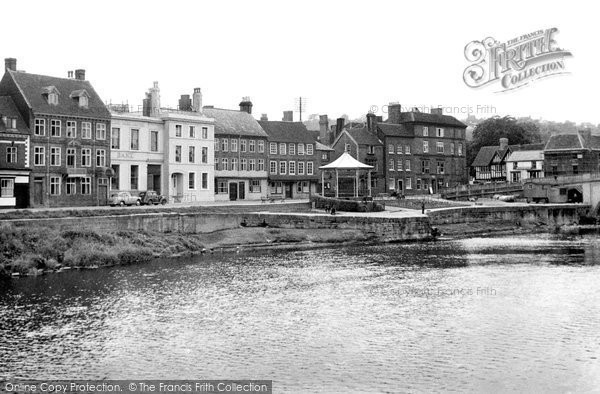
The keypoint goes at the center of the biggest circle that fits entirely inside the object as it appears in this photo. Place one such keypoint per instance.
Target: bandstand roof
(346, 162)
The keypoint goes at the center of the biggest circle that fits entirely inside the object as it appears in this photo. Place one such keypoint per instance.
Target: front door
(400, 187)
(242, 190)
(288, 190)
(103, 194)
(38, 192)
(233, 195)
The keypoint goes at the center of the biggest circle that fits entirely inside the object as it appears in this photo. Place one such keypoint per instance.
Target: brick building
(293, 159)
(572, 154)
(240, 154)
(70, 145)
(424, 152)
(14, 156)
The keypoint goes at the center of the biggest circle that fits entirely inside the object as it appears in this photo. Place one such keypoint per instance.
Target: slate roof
(424, 117)
(565, 142)
(484, 156)
(527, 155)
(9, 109)
(32, 86)
(395, 130)
(362, 136)
(280, 131)
(228, 121)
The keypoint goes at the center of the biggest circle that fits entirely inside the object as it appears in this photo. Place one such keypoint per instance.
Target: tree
(489, 132)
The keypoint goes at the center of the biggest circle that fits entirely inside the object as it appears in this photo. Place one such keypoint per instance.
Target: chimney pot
(197, 100)
(437, 111)
(80, 74)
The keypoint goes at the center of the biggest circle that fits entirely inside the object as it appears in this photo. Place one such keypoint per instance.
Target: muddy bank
(37, 251)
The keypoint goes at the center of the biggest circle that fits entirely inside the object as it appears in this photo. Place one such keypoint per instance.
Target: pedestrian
(423, 207)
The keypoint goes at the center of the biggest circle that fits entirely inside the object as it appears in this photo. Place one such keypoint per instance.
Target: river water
(480, 314)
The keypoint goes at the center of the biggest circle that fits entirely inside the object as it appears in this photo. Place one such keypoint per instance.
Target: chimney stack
(154, 99)
(80, 74)
(70, 74)
(185, 104)
(146, 105)
(246, 105)
(437, 111)
(372, 123)
(339, 126)
(323, 128)
(197, 100)
(503, 143)
(10, 63)
(394, 113)
(264, 117)
(288, 116)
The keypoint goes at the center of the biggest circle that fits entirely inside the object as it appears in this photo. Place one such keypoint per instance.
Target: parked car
(152, 197)
(124, 198)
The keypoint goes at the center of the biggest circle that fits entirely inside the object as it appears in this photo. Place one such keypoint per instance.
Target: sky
(347, 57)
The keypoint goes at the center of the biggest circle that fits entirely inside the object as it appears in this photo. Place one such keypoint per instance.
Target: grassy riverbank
(37, 250)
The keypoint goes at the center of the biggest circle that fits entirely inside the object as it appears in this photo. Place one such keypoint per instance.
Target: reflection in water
(483, 314)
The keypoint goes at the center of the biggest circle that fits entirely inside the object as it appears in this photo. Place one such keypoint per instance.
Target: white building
(137, 153)
(524, 164)
(170, 151)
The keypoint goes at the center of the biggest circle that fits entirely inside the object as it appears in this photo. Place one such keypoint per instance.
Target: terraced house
(240, 154)
(70, 146)
(14, 156)
(293, 159)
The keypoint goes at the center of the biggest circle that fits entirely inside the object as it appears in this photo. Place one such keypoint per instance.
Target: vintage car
(124, 198)
(152, 197)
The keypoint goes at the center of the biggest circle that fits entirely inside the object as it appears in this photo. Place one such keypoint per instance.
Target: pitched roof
(526, 155)
(395, 130)
(33, 86)
(234, 122)
(281, 131)
(564, 142)
(484, 156)
(424, 117)
(320, 146)
(346, 162)
(9, 109)
(363, 137)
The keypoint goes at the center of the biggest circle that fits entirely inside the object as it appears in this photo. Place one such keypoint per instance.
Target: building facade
(69, 137)
(240, 154)
(572, 154)
(525, 164)
(14, 156)
(424, 152)
(292, 159)
(490, 162)
(137, 153)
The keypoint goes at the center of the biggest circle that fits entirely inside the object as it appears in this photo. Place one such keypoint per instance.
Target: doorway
(176, 186)
(233, 191)
(288, 190)
(38, 191)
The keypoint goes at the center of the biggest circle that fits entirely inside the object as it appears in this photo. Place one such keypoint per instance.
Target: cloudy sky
(344, 57)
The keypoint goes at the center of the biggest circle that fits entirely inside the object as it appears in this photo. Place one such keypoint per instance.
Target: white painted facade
(137, 153)
(189, 156)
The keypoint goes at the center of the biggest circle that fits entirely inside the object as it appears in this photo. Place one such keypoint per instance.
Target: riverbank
(38, 246)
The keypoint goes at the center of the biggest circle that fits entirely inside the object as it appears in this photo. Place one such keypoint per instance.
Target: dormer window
(51, 94)
(82, 97)
(9, 123)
